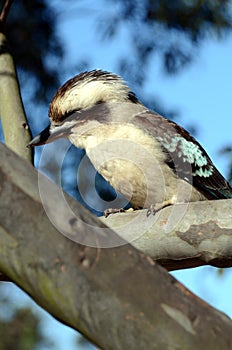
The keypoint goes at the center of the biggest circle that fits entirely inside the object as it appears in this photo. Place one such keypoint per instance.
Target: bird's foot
(109, 211)
(154, 208)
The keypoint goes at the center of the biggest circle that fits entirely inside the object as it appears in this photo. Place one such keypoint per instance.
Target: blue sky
(202, 95)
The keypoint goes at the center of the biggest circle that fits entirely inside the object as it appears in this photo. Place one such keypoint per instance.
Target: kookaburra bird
(147, 158)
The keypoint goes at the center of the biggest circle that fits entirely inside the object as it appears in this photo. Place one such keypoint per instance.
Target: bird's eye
(68, 113)
(99, 102)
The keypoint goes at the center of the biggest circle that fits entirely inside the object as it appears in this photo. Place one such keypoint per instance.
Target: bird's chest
(132, 162)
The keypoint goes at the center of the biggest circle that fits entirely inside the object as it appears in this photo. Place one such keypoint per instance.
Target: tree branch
(14, 124)
(5, 10)
(181, 236)
(118, 290)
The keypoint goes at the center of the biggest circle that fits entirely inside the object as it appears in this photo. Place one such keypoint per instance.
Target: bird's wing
(185, 155)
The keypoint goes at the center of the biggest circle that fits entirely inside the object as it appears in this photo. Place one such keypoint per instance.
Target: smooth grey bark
(117, 297)
(181, 236)
(14, 124)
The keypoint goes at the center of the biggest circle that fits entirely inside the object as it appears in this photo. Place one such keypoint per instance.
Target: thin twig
(5, 10)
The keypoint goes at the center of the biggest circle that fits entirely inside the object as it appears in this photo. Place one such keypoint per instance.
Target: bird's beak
(49, 134)
(41, 138)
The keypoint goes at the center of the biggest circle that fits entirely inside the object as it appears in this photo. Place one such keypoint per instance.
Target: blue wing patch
(185, 155)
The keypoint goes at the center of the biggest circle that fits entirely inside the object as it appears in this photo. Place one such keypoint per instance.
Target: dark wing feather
(185, 155)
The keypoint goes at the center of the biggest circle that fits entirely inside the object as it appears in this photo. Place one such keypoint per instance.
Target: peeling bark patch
(179, 317)
(25, 126)
(196, 234)
(73, 221)
(85, 264)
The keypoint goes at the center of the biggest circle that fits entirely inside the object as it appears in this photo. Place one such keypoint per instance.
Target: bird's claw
(154, 208)
(109, 211)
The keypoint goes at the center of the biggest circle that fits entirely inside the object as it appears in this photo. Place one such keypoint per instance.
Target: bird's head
(82, 92)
